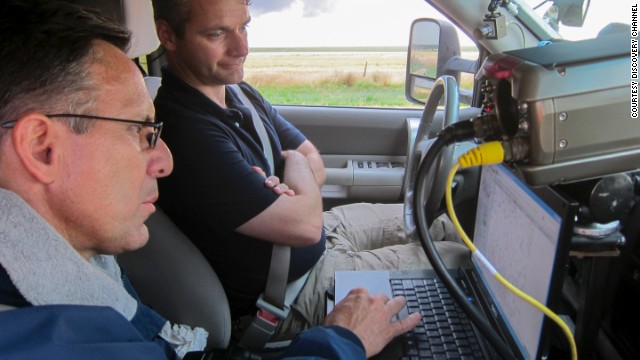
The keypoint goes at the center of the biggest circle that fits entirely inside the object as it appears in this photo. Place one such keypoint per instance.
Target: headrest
(138, 18)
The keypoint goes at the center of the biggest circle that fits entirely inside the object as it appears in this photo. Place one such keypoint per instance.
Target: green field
(368, 77)
(312, 77)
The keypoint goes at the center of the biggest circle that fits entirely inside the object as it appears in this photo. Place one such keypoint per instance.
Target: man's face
(214, 46)
(108, 178)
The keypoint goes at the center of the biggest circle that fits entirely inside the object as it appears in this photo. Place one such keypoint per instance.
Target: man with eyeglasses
(80, 155)
(79, 158)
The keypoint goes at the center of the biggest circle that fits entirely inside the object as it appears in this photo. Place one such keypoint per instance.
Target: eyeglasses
(152, 138)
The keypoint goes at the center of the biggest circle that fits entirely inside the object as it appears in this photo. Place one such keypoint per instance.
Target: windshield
(564, 16)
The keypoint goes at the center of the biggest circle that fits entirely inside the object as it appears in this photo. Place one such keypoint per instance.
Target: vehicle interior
(528, 84)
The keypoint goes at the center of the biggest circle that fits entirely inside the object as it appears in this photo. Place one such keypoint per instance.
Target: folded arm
(295, 218)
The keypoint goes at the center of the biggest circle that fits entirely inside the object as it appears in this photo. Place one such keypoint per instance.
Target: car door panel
(364, 149)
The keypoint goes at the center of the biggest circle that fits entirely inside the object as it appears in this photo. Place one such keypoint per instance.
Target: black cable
(447, 137)
(542, 3)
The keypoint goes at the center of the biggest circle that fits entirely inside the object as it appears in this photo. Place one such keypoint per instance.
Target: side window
(336, 76)
(351, 53)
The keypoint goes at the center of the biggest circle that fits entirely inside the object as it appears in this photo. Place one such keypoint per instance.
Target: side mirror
(434, 50)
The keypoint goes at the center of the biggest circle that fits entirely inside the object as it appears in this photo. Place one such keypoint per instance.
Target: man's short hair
(176, 13)
(46, 50)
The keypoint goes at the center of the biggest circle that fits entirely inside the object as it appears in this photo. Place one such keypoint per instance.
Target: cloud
(310, 8)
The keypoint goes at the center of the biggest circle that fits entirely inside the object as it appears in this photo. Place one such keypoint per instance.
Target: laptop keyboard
(445, 331)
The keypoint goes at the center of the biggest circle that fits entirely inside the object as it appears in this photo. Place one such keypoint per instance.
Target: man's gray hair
(46, 51)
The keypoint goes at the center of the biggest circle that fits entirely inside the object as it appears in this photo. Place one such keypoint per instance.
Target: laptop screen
(520, 234)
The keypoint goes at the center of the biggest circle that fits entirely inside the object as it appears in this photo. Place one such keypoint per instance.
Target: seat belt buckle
(270, 312)
(264, 325)
(268, 317)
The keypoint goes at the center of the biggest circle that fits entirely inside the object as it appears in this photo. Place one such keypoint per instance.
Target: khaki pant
(367, 237)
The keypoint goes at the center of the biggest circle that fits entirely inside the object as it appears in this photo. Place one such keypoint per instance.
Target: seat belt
(4, 307)
(258, 125)
(274, 303)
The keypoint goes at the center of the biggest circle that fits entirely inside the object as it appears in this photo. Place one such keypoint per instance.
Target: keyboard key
(445, 331)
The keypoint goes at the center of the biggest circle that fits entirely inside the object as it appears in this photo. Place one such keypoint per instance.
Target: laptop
(525, 233)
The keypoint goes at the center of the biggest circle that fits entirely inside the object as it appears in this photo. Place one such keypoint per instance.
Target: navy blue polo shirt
(213, 190)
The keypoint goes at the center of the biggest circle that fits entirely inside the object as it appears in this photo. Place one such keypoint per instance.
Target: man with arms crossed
(218, 194)
(80, 156)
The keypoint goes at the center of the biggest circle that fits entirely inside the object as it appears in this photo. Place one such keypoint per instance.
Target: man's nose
(161, 162)
(239, 44)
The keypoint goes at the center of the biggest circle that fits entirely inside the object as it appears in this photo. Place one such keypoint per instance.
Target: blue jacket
(91, 332)
(73, 332)
(95, 332)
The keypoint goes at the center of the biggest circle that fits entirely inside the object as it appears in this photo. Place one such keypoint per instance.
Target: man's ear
(166, 35)
(33, 139)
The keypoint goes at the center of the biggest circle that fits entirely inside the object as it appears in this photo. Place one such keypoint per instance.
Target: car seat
(173, 277)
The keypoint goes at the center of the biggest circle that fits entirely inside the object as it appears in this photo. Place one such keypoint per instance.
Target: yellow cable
(486, 154)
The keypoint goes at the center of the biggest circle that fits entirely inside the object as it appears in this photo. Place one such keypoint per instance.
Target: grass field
(329, 78)
(369, 78)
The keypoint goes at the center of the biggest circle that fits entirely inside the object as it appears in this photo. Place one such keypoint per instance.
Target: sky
(295, 23)
(333, 22)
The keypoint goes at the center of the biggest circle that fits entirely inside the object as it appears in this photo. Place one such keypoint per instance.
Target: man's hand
(273, 182)
(294, 218)
(315, 161)
(369, 317)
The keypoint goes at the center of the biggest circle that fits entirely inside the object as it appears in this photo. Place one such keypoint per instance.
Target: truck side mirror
(434, 50)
